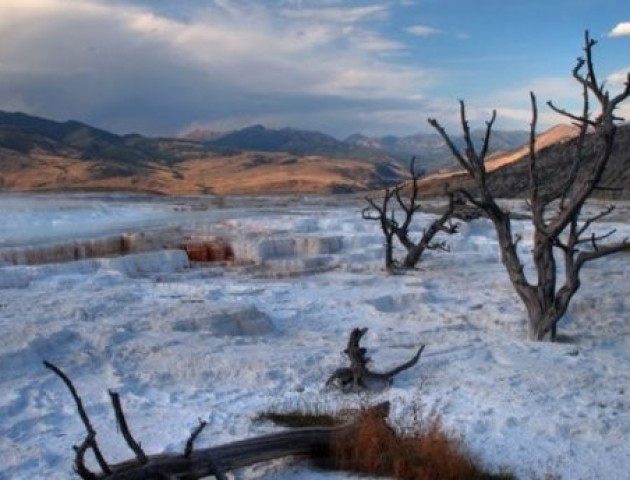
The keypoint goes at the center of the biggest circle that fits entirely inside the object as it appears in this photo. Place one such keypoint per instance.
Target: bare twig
(124, 429)
(79, 459)
(193, 436)
(91, 433)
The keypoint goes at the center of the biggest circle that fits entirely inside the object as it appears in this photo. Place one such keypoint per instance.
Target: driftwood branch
(195, 464)
(358, 377)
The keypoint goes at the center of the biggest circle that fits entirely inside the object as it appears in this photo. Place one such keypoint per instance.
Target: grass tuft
(298, 419)
(424, 451)
(427, 452)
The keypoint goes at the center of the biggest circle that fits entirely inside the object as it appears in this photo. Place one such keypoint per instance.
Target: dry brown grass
(244, 173)
(298, 419)
(426, 452)
(423, 451)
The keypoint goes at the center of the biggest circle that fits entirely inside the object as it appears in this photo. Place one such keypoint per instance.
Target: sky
(164, 67)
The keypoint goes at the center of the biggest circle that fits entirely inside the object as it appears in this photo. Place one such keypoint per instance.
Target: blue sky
(162, 67)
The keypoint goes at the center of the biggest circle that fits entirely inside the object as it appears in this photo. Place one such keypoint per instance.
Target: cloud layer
(135, 65)
(130, 67)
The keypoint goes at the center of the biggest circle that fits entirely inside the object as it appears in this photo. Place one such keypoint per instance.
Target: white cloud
(617, 80)
(616, 83)
(514, 107)
(421, 30)
(370, 41)
(337, 15)
(564, 92)
(622, 29)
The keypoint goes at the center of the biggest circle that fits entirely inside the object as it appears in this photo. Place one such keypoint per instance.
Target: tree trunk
(389, 252)
(413, 255)
(535, 331)
(542, 322)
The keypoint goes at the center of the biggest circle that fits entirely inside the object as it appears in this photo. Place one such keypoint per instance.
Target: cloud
(514, 107)
(617, 80)
(616, 83)
(622, 29)
(337, 15)
(370, 118)
(513, 104)
(126, 67)
(421, 30)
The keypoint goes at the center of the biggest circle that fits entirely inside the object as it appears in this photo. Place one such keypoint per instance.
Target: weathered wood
(358, 377)
(203, 462)
(199, 463)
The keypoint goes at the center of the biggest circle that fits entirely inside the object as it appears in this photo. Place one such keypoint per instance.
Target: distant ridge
(37, 154)
(301, 142)
(26, 133)
(431, 151)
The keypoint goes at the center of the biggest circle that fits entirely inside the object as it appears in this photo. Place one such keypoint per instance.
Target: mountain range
(38, 154)
(431, 151)
(41, 154)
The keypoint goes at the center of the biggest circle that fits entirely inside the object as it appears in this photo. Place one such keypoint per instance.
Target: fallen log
(199, 463)
(217, 460)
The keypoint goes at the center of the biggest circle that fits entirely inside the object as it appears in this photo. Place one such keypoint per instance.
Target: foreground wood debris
(358, 377)
(199, 463)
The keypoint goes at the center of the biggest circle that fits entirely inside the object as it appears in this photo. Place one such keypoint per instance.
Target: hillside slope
(556, 148)
(43, 155)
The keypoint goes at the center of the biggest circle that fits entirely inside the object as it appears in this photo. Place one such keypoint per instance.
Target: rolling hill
(44, 155)
(431, 151)
(37, 154)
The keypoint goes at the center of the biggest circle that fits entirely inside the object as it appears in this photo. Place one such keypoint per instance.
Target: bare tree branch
(409, 205)
(193, 436)
(90, 440)
(124, 429)
(79, 459)
(599, 216)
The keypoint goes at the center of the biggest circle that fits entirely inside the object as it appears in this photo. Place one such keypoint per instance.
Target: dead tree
(358, 377)
(193, 463)
(562, 234)
(387, 222)
(409, 207)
